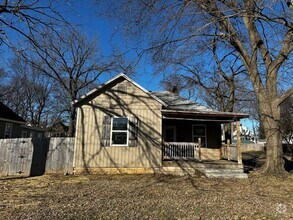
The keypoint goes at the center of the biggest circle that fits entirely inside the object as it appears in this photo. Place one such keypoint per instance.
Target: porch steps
(225, 173)
(211, 169)
(179, 171)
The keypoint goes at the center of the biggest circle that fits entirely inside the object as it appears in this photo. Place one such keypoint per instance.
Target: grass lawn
(145, 197)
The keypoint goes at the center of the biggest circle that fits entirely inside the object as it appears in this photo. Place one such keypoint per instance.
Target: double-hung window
(119, 131)
(199, 131)
(8, 130)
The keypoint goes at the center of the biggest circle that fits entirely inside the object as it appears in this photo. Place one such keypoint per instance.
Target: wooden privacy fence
(60, 156)
(32, 157)
(15, 156)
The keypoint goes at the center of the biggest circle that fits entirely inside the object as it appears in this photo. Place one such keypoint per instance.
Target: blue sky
(85, 14)
(95, 26)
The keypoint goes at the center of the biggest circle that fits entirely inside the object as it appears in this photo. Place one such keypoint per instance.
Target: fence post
(199, 149)
(228, 149)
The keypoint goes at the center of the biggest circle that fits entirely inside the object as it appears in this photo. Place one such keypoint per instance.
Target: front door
(169, 133)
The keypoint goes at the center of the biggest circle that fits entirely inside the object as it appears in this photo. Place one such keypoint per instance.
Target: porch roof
(178, 107)
(207, 116)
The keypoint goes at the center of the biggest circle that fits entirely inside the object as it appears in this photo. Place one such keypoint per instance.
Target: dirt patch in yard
(145, 196)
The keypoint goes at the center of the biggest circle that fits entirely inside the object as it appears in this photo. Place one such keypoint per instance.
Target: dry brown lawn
(145, 197)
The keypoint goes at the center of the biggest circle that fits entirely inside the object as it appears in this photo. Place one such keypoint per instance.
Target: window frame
(10, 131)
(126, 131)
(200, 136)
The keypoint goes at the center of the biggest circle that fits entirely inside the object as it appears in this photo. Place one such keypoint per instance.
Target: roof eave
(82, 98)
(12, 121)
(212, 114)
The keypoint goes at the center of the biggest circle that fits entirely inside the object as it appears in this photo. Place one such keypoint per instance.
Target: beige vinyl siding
(147, 154)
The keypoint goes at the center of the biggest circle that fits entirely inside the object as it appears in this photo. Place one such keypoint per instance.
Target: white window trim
(10, 132)
(127, 132)
(198, 136)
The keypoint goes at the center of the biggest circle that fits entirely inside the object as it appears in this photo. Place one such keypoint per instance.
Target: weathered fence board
(16, 156)
(33, 157)
(60, 156)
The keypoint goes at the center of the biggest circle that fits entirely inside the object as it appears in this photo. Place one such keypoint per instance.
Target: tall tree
(259, 31)
(29, 94)
(72, 61)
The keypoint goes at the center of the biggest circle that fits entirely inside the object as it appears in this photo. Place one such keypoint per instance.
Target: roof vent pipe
(175, 90)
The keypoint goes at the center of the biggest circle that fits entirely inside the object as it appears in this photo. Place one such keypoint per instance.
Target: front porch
(187, 158)
(195, 152)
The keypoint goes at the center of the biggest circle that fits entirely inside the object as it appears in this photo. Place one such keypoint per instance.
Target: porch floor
(195, 162)
(210, 168)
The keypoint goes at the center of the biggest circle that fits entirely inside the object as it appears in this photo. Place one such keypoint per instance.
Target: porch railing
(231, 152)
(177, 150)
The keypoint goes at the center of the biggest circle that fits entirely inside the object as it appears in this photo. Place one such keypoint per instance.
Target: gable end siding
(144, 113)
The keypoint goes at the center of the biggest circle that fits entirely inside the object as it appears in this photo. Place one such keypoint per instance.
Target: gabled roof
(95, 91)
(172, 104)
(7, 114)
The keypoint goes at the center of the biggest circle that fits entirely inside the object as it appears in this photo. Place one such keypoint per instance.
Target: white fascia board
(115, 78)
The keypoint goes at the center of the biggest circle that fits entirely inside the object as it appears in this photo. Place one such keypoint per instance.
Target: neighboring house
(245, 134)
(13, 126)
(58, 129)
(121, 126)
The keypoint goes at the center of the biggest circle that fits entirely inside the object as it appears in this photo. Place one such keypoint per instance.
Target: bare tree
(27, 18)
(28, 93)
(259, 31)
(70, 60)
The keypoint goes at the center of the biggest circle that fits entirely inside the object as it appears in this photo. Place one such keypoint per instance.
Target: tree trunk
(270, 117)
(72, 116)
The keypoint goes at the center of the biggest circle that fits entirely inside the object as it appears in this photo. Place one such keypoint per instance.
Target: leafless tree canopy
(22, 19)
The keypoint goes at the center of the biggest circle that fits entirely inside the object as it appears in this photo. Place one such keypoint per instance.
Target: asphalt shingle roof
(7, 113)
(175, 102)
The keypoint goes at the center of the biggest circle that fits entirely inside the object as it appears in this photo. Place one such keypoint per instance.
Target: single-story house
(122, 127)
(13, 126)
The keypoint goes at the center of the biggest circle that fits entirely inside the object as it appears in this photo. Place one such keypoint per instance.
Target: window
(23, 134)
(8, 130)
(199, 131)
(119, 131)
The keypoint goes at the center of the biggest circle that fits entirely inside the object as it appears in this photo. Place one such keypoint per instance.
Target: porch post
(239, 155)
(228, 149)
(199, 149)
